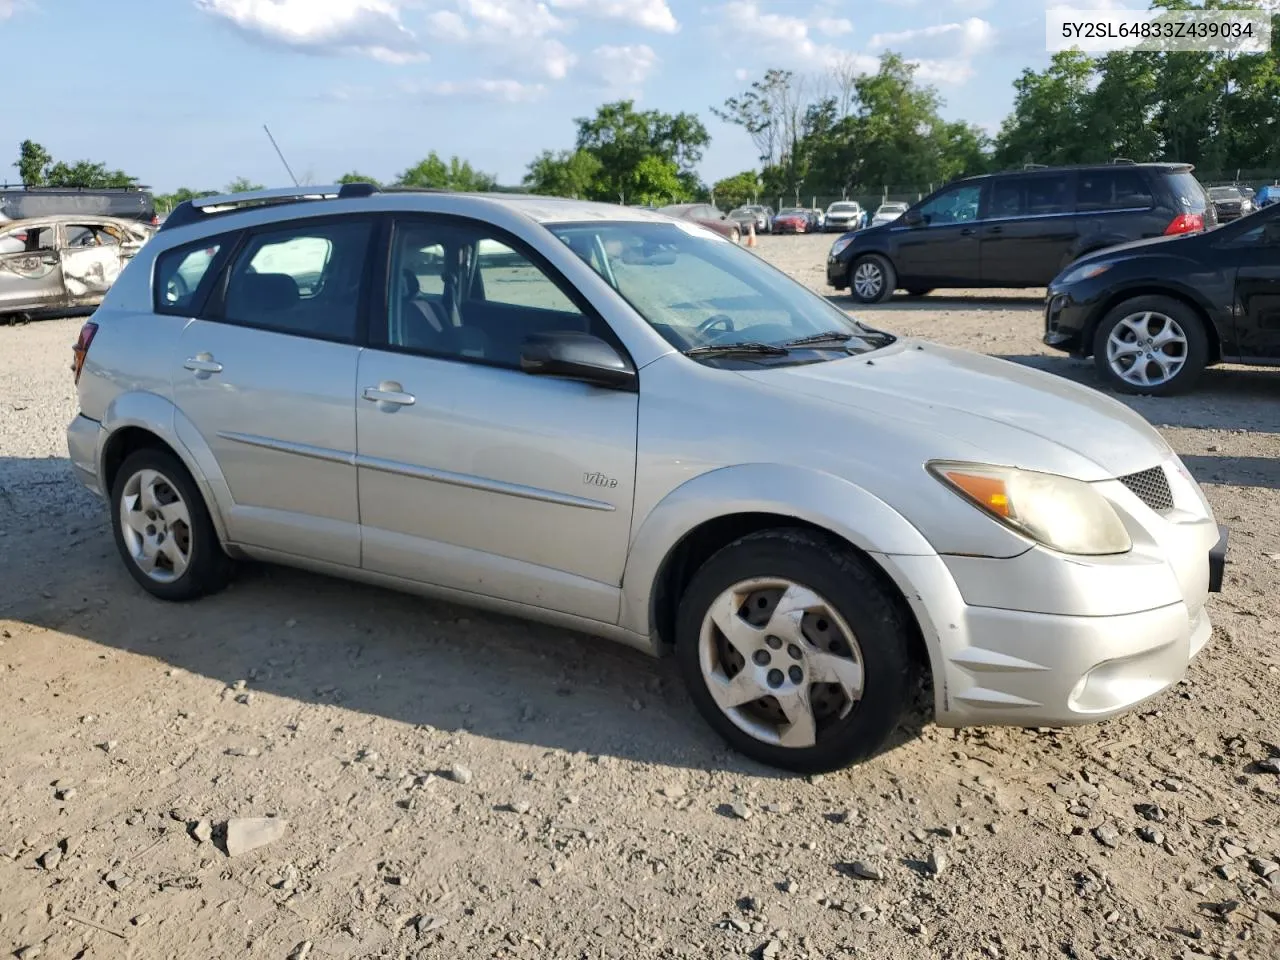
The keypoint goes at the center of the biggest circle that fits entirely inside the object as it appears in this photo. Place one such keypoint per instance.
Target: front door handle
(967, 232)
(203, 363)
(995, 229)
(390, 392)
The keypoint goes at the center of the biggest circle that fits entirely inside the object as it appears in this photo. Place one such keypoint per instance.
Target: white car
(844, 215)
(887, 213)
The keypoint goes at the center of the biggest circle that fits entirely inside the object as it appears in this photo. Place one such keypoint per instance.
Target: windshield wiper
(836, 337)
(729, 349)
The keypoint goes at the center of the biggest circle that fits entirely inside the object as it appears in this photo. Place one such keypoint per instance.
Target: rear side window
(1113, 190)
(179, 274)
(305, 280)
(1030, 196)
(26, 240)
(1187, 192)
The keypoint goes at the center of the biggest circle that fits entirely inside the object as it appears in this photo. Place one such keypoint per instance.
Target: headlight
(1063, 514)
(1085, 272)
(838, 247)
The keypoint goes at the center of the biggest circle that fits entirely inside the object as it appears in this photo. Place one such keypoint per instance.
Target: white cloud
(622, 67)
(370, 28)
(947, 40)
(961, 6)
(551, 57)
(833, 26)
(652, 15)
(7, 8)
(502, 91)
(499, 20)
(788, 37)
(518, 34)
(944, 72)
(447, 25)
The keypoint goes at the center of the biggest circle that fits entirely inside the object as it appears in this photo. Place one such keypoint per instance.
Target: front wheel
(735, 235)
(1151, 345)
(794, 651)
(871, 279)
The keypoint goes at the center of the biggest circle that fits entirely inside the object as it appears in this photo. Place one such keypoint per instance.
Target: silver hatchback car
(624, 424)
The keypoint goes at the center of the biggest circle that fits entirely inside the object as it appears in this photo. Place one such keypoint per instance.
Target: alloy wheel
(779, 661)
(868, 279)
(1147, 349)
(156, 526)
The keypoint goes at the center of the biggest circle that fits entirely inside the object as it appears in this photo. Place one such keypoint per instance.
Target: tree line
(841, 132)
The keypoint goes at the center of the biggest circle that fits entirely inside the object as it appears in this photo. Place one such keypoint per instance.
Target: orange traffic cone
(751, 234)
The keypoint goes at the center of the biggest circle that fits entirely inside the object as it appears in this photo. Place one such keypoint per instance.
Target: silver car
(51, 266)
(623, 424)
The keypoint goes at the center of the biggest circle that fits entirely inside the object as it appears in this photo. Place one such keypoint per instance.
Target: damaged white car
(61, 266)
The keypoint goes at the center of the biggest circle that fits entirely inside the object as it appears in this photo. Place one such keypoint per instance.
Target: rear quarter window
(1186, 192)
(179, 274)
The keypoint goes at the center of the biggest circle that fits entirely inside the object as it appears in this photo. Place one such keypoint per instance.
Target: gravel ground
(459, 784)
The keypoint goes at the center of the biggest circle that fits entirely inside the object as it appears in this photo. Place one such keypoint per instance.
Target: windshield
(1224, 193)
(697, 289)
(892, 208)
(793, 212)
(742, 212)
(842, 208)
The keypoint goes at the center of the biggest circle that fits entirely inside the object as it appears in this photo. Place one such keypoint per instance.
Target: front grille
(1152, 488)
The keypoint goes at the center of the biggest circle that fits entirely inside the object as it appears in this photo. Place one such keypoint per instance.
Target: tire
(847, 593)
(735, 236)
(1158, 316)
(919, 291)
(206, 569)
(883, 269)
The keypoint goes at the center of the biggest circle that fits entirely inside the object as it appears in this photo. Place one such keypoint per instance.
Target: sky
(176, 92)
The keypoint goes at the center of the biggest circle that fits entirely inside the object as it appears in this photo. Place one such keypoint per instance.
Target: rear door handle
(967, 232)
(390, 392)
(203, 363)
(995, 229)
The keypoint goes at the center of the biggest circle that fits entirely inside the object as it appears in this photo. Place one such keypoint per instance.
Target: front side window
(90, 235)
(699, 291)
(304, 279)
(460, 292)
(958, 205)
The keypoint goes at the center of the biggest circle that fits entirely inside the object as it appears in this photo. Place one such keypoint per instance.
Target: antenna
(280, 155)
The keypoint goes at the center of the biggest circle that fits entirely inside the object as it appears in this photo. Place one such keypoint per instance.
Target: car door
(1257, 291)
(474, 475)
(266, 376)
(942, 249)
(92, 258)
(30, 274)
(1029, 229)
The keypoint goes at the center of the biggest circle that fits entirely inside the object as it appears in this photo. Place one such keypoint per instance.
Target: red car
(705, 215)
(792, 220)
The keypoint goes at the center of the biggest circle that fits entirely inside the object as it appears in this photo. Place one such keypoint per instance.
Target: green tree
(355, 177)
(740, 189)
(621, 138)
(85, 173)
(654, 181)
(456, 174)
(242, 185)
(1050, 114)
(569, 173)
(33, 161)
(165, 202)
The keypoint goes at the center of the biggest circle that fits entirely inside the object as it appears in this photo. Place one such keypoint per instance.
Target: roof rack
(35, 187)
(1121, 160)
(200, 208)
(1035, 166)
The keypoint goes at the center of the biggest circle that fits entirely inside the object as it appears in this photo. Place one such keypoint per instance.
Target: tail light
(155, 219)
(1185, 223)
(81, 349)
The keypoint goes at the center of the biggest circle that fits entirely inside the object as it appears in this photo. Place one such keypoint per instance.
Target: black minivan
(1017, 229)
(127, 203)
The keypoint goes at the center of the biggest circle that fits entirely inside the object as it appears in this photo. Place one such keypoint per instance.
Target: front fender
(157, 415)
(819, 498)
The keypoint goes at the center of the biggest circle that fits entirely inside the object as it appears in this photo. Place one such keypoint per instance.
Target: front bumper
(84, 439)
(1066, 323)
(996, 665)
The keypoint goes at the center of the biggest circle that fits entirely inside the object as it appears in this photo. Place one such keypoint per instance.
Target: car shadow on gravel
(319, 640)
(1226, 398)
(940, 301)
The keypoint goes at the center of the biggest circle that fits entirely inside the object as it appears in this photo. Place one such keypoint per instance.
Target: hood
(1149, 245)
(1015, 415)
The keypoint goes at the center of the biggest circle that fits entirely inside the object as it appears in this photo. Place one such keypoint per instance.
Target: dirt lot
(596, 815)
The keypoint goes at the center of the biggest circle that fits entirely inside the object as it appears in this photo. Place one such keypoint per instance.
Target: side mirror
(577, 356)
(913, 218)
(1271, 234)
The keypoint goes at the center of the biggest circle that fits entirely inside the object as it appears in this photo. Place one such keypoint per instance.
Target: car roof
(8, 225)
(1032, 170)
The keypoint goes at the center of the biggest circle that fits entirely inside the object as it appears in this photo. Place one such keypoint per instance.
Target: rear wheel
(794, 651)
(871, 279)
(1151, 345)
(163, 530)
(735, 235)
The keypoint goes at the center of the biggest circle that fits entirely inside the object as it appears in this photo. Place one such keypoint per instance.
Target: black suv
(127, 203)
(1017, 229)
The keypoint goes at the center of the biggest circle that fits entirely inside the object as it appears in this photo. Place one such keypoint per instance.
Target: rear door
(30, 274)
(92, 258)
(1257, 291)
(266, 375)
(1029, 233)
(942, 251)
